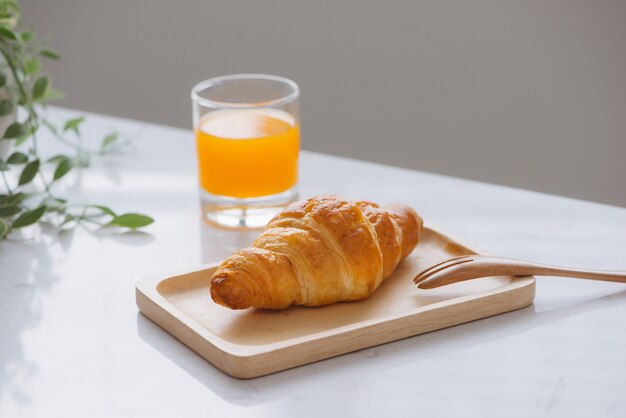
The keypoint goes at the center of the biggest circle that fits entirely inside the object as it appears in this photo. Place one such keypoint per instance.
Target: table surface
(73, 344)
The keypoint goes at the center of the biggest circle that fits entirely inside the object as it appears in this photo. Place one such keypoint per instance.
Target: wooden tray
(256, 342)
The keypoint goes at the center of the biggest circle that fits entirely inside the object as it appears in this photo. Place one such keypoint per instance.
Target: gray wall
(527, 93)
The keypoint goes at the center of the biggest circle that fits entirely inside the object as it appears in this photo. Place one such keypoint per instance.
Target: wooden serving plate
(255, 342)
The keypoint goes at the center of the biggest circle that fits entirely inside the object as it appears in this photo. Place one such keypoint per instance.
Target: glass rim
(205, 84)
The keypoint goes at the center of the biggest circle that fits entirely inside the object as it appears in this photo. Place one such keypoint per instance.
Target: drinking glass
(247, 140)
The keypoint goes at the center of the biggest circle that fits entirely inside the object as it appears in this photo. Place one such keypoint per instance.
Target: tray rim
(158, 309)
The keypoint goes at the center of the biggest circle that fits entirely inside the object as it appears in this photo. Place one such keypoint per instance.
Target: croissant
(316, 252)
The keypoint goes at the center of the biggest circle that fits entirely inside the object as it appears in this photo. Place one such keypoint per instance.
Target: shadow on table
(27, 273)
(132, 238)
(364, 362)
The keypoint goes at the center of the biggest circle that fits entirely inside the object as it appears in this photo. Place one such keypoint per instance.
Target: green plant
(24, 93)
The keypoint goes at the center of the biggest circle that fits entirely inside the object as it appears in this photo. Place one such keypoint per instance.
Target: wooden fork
(468, 267)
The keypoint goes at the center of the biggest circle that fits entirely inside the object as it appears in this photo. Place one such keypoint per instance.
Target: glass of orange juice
(247, 132)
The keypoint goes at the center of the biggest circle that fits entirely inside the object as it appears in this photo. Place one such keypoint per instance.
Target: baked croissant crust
(319, 251)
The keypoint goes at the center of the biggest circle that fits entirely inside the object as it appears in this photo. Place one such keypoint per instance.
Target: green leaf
(3, 78)
(9, 211)
(29, 217)
(29, 172)
(6, 107)
(17, 158)
(132, 220)
(4, 228)
(62, 169)
(7, 20)
(20, 140)
(31, 66)
(57, 209)
(52, 94)
(104, 210)
(109, 139)
(26, 36)
(68, 218)
(73, 124)
(40, 87)
(82, 159)
(4, 166)
(50, 54)
(57, 158)
(54, 203)
(15, 130)
(7, 33)
(12, 199)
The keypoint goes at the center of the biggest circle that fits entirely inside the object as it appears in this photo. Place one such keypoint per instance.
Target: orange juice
(247, 153)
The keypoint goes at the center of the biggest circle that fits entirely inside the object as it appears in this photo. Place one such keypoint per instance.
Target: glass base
(244, 213)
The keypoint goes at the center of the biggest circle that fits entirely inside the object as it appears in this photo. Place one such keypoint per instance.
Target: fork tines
(441, 266)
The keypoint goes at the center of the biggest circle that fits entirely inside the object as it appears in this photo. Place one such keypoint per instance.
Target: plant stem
(45, 183)
(43, 178)
(6, 183)
(32, 119)
(27, 93)
(20, 86)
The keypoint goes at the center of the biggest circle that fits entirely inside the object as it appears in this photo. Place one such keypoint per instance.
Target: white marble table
(72, 343)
